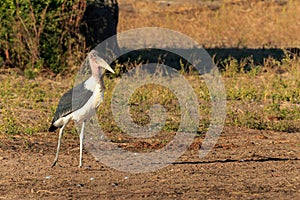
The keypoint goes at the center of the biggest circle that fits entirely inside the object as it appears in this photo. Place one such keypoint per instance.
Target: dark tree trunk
(100, 22)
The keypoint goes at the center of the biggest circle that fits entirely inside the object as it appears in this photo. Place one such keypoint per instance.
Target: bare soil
(245, 164)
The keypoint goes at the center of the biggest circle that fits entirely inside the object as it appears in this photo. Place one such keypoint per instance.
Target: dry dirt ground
(245, 164)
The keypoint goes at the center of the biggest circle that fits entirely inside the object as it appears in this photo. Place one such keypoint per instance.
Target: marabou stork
(81, 102)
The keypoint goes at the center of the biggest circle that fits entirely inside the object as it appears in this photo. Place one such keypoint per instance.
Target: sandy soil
(245, 164)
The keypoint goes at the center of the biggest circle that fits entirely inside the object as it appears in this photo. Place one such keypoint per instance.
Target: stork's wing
(72, 100)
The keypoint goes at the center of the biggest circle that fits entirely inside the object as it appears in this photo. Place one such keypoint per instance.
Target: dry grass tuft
(229, 23)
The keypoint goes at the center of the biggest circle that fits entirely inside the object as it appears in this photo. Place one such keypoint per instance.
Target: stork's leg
(58, 144)
(81, 143)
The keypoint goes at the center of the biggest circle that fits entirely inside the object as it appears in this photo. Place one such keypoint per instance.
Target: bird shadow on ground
(265, 159)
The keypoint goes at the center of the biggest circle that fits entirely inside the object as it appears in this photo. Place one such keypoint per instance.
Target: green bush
(40, 33)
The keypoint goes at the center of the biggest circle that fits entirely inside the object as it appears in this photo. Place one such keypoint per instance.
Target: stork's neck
(101, 83)
(99, 80)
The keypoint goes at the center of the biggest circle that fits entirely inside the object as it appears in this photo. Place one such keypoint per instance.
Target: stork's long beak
(104, 64)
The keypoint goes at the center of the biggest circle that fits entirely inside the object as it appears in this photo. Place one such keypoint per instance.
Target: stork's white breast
(89, 109)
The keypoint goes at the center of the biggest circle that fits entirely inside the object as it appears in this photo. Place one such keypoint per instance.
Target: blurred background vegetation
(40, 34)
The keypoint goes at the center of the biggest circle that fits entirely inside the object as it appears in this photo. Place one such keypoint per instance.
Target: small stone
(115, 184)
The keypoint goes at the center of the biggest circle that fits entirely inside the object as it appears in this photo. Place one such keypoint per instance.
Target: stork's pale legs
(81, 143)
(58, 144)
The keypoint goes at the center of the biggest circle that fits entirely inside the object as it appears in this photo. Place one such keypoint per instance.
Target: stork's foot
(54, 163)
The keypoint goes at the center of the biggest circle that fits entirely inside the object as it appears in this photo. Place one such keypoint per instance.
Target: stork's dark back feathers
(71, 101)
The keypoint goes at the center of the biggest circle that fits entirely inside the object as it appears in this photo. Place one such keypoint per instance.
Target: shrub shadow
(219, 55)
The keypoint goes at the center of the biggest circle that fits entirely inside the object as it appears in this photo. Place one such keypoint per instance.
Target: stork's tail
(52, 128)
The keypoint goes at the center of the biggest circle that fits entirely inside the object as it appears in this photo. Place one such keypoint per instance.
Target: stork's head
(98, 64)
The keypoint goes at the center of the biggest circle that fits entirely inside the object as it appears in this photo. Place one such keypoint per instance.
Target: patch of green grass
(27, 105)
(265, 97)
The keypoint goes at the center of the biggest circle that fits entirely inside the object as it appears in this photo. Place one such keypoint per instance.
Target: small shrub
(36, 34)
